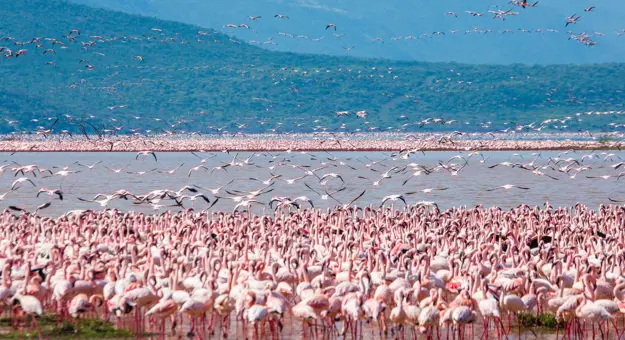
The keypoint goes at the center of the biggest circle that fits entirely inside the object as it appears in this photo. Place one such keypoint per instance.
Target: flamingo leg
(226, 325)
(105, 312)
(502, 328)
(485, 326)
(601, 331)
(211, 323)
(164, 327)
(161, 329)
(566, 330)
(137, 323)
(509, 323)
(36, 325)
(373, 331)
(592, 325)
(173, 324)
(191, 331)
(459, 332)
(13, 317)
(499, 328)
(303, 329)
(537, 315)
(118, 322)
(614, 323)
(31, 327)
(204, 321)
(383, 322)
(58, 313)
(180, 321)
(199, 333)
(315, 328)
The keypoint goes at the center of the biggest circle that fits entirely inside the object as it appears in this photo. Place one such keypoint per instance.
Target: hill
(480, 39)
(124, 72)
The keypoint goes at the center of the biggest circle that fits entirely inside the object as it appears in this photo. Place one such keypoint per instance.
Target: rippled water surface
(357, 169)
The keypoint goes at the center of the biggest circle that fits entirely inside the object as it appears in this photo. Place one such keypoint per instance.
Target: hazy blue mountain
(364, 20)
(124, 72)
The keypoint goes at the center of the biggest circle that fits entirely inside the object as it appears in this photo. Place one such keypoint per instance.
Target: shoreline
(220, 144)
(290, 147)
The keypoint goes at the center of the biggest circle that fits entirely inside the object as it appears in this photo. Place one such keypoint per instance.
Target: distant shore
(259, 143)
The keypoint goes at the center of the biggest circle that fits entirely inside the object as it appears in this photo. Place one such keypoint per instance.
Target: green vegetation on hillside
(193, 79)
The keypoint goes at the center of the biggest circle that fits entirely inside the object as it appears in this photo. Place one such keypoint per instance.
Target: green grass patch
(45, 320)
(85, 329)
(545, 320)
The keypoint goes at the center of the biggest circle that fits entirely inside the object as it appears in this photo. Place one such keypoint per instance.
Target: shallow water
(293, 329)
(468, 188)
(370, 330)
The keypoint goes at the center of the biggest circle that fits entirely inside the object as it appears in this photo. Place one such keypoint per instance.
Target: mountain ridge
(362, 21)
(195, 79)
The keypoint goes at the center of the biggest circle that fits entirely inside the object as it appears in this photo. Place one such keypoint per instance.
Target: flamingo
(29, 304)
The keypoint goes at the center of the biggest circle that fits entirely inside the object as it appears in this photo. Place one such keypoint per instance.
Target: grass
(46, 320)
(545, 320)
(87, 329)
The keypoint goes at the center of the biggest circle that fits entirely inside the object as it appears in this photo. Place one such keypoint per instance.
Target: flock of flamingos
(390, 271)
(347, 272)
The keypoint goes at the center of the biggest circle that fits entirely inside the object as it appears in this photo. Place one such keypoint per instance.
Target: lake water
(468, 188)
